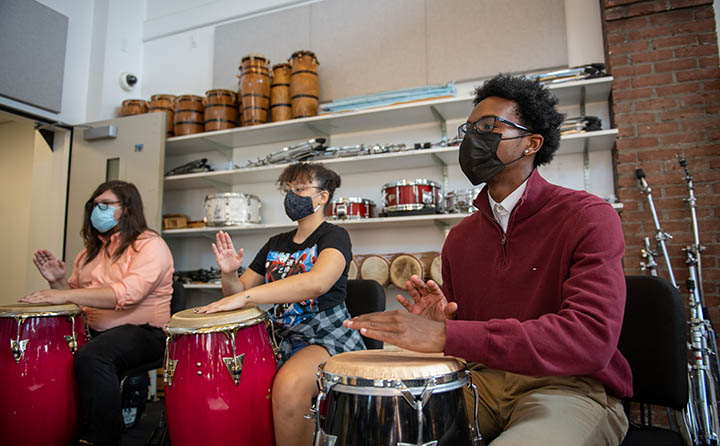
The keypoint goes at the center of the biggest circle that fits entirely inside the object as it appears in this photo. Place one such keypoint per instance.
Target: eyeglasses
(487, 124)
(297, 190)
(104, 206)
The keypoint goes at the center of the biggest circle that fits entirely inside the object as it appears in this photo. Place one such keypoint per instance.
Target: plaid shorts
(324, 329)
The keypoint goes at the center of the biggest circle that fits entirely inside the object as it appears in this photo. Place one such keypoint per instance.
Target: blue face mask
(298, 206)
(103, 220)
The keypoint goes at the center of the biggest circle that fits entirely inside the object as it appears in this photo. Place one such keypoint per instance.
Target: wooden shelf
(602, 140)
(568, 93)
(366, 223)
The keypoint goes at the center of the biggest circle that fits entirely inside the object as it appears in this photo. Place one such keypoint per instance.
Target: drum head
(26, 309)
(392, 364)
(187, 321)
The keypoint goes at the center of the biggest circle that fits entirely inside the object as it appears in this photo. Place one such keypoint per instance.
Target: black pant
(100, 364)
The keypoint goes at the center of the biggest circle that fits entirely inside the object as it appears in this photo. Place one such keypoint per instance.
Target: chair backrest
(653, 340)
(365, 296)
(179, 300)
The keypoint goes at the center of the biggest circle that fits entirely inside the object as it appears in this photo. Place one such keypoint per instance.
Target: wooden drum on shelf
(375, 267)
(133, 107)
(304, 84)
(189, 114)
(220, 110)
(435, 269)
(280, 109)
(164, 103)
(255, 86)
(353, 269)
(403, 266)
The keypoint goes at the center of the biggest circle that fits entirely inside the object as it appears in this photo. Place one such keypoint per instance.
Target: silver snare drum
(232, 208)
(461, 201)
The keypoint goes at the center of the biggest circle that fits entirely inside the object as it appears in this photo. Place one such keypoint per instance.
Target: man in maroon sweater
(533, 288)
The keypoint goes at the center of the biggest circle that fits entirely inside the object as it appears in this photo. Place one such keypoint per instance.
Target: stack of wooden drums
(255, 89)
(397, 268)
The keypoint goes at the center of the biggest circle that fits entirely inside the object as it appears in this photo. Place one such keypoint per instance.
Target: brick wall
(665, 101)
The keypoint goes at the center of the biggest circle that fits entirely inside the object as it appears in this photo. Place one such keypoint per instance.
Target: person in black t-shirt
(303, 273)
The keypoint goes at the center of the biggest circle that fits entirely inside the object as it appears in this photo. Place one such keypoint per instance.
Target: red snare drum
(412, 195)
(37, 373)
(219, 370)
(350, 208)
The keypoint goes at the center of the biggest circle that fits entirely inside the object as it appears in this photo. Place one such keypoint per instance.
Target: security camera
(128, 81)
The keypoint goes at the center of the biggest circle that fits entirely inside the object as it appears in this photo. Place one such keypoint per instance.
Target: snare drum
(393, 397)
(461, 201)
(219, 370)
(232, 208)
(37, 373)
(350, 208)
(412, 195)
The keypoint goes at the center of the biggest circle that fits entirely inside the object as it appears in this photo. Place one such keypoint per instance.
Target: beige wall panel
(276, 36)
(144, 168)
(470, 39)
(16, 146)
(368, 46)
(47, 210)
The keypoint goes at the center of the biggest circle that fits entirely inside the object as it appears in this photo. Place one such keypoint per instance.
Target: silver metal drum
(232, 208)
(393, 398)
(461, 201)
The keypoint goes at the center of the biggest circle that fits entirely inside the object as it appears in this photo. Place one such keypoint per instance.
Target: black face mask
(297, 206)
(478, 156)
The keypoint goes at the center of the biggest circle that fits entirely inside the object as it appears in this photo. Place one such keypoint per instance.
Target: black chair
(134, 382)
(653, 340)
(365, 296)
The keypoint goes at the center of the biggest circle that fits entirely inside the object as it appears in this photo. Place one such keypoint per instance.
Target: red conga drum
(304, 84)
(37, 373)
(255, 87)
(219, 370)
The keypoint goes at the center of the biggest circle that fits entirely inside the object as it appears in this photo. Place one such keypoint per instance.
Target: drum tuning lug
(234, 366)
(170, 371)
(72, 343)
(18, 348)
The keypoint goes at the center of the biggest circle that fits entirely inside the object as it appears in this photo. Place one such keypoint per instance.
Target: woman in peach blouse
(123, 281)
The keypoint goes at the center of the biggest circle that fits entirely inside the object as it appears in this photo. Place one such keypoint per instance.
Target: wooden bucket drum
(38, 345)
(219, 370)
(164, 103)
(436, 269)
(220, 110)
(377, 268)
(280, 109)
(304, 84)
(255, 86)
(402, 266)
(393, 397)
(353, 269)
(189, 115)
(133, 107)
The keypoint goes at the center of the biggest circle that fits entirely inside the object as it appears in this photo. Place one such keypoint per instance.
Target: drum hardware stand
(234, 363)
(72, 339)
(17, 346)
(321, 437)
(477, 436)
(649, 255)
(170, 364)
(695, 247)
(660, 235)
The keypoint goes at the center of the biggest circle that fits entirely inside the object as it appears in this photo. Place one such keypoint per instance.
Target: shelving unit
(422, 112)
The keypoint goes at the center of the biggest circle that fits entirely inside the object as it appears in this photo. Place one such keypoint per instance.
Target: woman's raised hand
(227, 259)
(51, 268)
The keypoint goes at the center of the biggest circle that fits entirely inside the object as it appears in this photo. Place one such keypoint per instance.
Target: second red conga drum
(38, 346)
(219, 370)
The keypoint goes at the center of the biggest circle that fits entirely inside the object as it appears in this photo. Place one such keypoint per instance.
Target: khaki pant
(557, 410)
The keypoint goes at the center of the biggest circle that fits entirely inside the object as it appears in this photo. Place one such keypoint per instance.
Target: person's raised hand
(227, 259)
(51, 268)
(427, 301)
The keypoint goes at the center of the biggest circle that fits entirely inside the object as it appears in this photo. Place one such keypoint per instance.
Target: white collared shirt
(501, 211)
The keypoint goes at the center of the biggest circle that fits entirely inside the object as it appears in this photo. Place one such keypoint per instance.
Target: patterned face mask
(298, 206)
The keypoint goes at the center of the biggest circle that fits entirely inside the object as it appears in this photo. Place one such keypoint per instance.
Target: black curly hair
(534, 104)
(325, 178)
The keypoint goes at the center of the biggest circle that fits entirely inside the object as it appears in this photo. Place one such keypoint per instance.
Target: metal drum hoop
(418, 181)
(390, 387)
